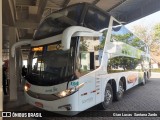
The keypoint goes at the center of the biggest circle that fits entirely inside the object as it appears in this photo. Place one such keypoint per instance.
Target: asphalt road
(140, 98)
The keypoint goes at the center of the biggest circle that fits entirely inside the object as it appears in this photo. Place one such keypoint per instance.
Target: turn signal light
(27, 87)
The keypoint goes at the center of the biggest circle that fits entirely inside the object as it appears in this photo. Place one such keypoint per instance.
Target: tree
(144, 33)
(156, 38)
(84, 45)
(150, 35)
(156, 29)
(102, 42)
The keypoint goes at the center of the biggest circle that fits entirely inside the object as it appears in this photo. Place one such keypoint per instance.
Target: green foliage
(122, 37)
(84, 46)
(83, 55)
(151, 36)
(85, 67)
(157, 31)
(128, 38)
(101, 46)
(155, 46)
(156, 70)
(124, 62)
(135, 42)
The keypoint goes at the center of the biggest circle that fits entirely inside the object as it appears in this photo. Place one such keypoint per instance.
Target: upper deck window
(122, 34)
(96, 20)
(58, 21)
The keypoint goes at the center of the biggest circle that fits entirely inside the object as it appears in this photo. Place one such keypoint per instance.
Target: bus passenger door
(88, 91)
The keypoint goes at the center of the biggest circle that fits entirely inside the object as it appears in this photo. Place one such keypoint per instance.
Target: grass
(156, 70)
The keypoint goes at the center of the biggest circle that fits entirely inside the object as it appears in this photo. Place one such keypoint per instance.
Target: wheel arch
(123, 79)
(112, 82)
(145, 73)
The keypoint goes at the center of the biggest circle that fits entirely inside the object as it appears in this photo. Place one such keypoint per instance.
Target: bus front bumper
(67, 105)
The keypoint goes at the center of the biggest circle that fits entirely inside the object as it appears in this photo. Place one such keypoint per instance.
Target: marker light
(27, 87)
(37, 49)
(69, 91)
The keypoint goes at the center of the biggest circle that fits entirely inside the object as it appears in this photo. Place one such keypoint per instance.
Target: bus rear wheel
(108, 97)
(119, 94)
(144, 79)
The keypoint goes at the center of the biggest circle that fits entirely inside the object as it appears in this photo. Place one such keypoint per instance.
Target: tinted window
(57, 22)
(89, 54)
(120, 33)
(52, 65)
(96, 20)
(122, 64)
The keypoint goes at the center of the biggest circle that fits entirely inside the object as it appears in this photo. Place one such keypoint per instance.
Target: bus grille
(48, 97)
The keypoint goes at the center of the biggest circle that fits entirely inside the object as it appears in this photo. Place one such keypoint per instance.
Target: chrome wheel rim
(108, 97)
(120, 90)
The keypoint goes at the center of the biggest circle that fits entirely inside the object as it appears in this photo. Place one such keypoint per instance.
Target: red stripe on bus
(84, 94)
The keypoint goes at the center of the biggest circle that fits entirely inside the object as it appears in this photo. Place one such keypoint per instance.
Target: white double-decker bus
(81, 57)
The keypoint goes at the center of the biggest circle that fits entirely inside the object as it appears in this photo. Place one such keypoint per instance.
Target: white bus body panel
(93, 90)
(87, 92)
(53, 105)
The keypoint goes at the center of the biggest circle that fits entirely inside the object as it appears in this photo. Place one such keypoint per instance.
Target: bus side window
(88, 60)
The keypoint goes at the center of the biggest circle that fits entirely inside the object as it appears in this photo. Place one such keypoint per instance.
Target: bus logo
(74, 83)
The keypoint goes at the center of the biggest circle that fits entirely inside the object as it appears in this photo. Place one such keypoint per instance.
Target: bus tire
(108, 97)
(119, 94)
(144, 80)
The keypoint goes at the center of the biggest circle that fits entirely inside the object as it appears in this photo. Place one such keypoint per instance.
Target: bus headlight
(69, 91)
(66, 92)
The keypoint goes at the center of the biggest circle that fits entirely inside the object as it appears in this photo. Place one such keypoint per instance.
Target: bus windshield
(58, 21)
(51, 65)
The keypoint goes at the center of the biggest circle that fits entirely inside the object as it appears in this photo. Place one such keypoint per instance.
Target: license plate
(38, 104)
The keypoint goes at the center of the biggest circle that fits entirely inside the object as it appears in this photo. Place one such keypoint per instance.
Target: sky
(148, 21)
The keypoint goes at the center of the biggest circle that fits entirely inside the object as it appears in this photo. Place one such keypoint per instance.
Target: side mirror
(18, 44)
